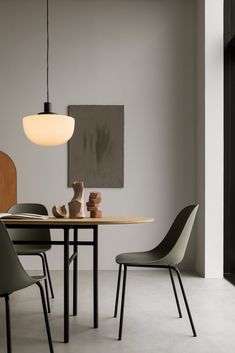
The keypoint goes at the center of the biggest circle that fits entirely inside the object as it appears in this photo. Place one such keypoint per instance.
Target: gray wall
(139, 53)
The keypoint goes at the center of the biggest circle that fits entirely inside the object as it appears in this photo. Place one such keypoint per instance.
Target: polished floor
(151, 324)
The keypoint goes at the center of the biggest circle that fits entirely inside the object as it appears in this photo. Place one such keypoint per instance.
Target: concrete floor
(150, 324)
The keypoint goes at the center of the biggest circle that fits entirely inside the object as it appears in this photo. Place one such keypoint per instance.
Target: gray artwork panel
(96, 150)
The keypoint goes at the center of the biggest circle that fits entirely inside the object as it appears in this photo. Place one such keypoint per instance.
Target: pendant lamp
(47, 128)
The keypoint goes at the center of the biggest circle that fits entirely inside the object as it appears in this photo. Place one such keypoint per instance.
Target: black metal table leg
(95, 275)
(66, 285)
(75, 272)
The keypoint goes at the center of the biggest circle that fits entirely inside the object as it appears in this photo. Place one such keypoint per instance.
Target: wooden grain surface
(86, 221)
(7, 182)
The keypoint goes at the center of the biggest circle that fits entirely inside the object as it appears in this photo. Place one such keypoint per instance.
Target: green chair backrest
(30, 234)
(172, 248)
(12, 274)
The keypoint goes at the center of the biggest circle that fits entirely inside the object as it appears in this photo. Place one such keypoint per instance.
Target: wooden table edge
(111, 220)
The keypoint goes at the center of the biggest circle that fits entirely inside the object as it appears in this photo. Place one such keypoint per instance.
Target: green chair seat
(144, 258)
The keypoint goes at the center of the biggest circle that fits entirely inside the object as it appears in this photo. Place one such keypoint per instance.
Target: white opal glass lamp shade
(48, 129)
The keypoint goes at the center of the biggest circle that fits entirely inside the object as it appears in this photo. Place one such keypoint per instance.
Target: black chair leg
(45, 281)
(123, 302)
(185, 301)
(8, 323)
(48, 275)
(46, 317)
(175, 293)
(117, 291)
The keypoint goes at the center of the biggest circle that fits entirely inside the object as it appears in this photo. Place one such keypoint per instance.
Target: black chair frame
(170, 269)
(46, 274)
(8, 319)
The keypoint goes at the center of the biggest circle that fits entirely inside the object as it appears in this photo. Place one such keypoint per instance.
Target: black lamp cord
(47, 50)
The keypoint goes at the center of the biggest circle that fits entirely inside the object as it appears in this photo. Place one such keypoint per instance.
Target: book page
(23, 215)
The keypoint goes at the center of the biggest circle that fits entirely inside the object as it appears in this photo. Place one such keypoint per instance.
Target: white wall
(140, 53)
(214, 138)
(200, 118)
(209, 245)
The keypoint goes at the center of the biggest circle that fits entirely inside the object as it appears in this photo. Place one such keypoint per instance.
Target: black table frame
(68, 260)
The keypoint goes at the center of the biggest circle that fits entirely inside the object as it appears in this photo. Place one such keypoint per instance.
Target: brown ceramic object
(92, 208)
(95, 194)
(76, 205)
(93, 204)
(59, 211)
(96, 214)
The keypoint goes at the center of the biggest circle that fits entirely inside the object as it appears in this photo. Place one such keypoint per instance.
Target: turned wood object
(93, 204)
(76, 205)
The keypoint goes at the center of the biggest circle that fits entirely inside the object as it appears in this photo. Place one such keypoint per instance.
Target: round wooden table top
(86, 221)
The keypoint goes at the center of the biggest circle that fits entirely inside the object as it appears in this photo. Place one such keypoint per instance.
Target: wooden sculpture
(76, 205)
(59, 211)
(93, 204)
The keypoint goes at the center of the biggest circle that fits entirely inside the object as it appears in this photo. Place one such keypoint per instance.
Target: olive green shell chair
(13, 277)
(167, 254)
(33, 235)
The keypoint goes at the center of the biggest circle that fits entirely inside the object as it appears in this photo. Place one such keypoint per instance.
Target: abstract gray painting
(96, 150)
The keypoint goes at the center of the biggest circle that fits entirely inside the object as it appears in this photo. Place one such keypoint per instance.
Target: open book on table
(23, 215)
